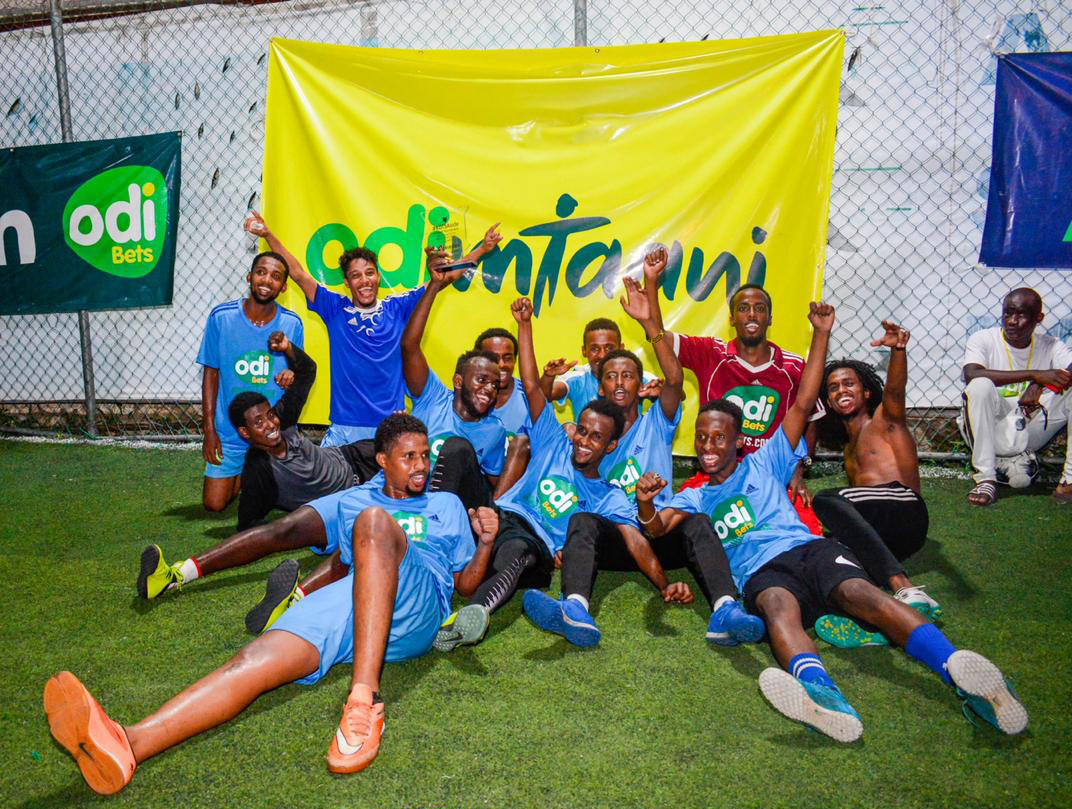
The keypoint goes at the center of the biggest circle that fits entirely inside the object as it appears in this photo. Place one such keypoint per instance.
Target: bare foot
(1063, 493)
(984, 493)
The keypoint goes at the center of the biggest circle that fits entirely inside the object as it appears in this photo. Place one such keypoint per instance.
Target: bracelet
(657, 337)
(648, 521)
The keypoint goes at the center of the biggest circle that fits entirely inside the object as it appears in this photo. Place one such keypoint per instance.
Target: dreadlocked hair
(832, 432)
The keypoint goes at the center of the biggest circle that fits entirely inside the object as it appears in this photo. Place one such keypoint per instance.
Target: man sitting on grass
(409, 552)
(790, 577)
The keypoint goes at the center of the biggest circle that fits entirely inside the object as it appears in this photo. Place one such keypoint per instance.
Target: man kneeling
(388, 608)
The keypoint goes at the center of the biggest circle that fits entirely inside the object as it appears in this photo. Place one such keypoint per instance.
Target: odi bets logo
(733, 519)
(254, 367)
(625, 475)
(435, 445)
(759, 405)
(415, 526)
(556, 497)
(117, 220)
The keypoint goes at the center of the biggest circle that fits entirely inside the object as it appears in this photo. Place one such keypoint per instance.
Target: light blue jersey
(515, 413)
(645, 447)
(751, 512)
(435, 407)
(551, 490)
(582, 387)
(239, 350)
(366, 355)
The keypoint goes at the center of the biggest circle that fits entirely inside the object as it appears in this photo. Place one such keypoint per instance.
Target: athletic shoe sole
(845, 633)
(70, 709)
(789, 698)
(975, 675)
(281, 582)
(469, 627)
(547, 614)
(150, 560)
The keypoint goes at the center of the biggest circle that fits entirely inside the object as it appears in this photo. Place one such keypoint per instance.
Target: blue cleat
(986, 692)
(567, 618)
(730, 625)
(817, 706)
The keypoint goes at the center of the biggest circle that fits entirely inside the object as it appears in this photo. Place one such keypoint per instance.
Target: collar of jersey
(775, 357)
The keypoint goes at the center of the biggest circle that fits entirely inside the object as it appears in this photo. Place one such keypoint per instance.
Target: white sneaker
(1017, 471)
(915, 598)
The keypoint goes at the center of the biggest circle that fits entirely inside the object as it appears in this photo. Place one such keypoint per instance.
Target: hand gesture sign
(895, 337)
(635, 303)
(485, 524)
(284, 378)
(558, 367)
(651, 389)
(255, 224)
(278, 342)
(521, 309)
(649, 485)
(654, 264)
(821, 316)
(492, 238)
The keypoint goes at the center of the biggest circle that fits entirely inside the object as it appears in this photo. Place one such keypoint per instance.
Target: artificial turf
(651, 717)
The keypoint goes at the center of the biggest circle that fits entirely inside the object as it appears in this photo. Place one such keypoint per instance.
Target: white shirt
(989, 349)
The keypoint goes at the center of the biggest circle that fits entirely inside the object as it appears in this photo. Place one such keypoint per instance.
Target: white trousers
(988, 423)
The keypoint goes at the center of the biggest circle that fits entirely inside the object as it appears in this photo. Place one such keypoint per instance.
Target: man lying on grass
(408, 552)
(790, 577)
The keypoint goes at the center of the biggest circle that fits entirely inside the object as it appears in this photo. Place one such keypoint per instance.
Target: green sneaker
(278, 596)
(986, 692)
(837, 630)
(156, 575)
(468, 626)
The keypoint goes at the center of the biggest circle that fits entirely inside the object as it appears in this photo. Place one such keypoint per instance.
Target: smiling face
(717, 441)
(1021, 312)
(405, 465)
(592, 440)
(620, 382)
(845, 393)
(503, 349)
(363, 281)
(262, 427)
(476, 387)
(750, 316)
(598, 343)
(266, 280)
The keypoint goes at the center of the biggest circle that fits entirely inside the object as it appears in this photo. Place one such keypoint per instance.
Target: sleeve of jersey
(209, 354)
(461, 534)
(432, 398)
(778, 458)
(324, 302)
(298, 337)
(694, 351)
(687, 501)
(975, 352)
(408, 302)
(496, 454)
(1062, 355)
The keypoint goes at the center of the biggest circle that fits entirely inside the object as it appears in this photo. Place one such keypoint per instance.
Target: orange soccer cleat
(98, 744)
(357, 740)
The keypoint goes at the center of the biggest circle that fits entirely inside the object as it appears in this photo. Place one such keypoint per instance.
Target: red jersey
(763, 392)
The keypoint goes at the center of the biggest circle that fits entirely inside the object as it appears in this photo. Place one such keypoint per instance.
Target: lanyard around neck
(1008, 353)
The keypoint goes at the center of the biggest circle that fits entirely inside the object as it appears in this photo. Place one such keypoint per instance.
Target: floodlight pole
(580, 23)
(55, 14)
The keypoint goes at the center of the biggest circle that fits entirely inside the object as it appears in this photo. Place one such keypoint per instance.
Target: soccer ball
(1018, 471)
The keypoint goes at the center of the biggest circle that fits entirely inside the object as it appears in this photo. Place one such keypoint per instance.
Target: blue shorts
(339, 434)
(328, 509)
(325, 618)
(234, 456)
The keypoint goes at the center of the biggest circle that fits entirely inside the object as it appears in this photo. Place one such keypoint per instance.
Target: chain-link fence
(907, 204)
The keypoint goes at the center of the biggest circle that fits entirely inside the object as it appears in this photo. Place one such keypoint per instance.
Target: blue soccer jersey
(239, 350)
(515, 413)
(435, 407)
(751, 512)
(551, 490)
(582, 387)
(645, 447)
(366, 355)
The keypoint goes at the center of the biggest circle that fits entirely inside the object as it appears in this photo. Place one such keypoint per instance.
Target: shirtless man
(880, 515)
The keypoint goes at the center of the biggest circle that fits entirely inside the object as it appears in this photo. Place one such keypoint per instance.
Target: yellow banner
(722, 151)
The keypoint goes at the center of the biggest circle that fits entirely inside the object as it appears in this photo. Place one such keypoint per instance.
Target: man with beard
(511, 405)
(789, 576)
(407, 552)
(233, 359)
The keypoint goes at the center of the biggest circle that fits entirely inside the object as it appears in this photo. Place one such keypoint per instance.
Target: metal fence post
(580, 23)
(55, 13)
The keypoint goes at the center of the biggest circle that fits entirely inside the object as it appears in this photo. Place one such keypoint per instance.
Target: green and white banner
(88, 225)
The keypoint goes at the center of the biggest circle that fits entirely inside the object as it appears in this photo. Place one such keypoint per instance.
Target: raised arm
(893, 395)
(521, 309)
(638, 306)
(256, 225)
(554, 388)
(654, 264)
(289, 407)
(414, 363)
(821, 317)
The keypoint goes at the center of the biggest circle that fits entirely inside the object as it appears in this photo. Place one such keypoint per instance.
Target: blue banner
(1029, 210)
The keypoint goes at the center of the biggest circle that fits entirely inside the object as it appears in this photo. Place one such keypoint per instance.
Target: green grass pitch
(651, 717)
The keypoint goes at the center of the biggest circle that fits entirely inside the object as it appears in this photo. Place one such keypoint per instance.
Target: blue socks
(809, 668)
(930, 647)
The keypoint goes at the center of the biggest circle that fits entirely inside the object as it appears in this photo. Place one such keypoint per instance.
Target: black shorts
(810, 572)
(514, 527)
(361, 455)
(896, 512)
